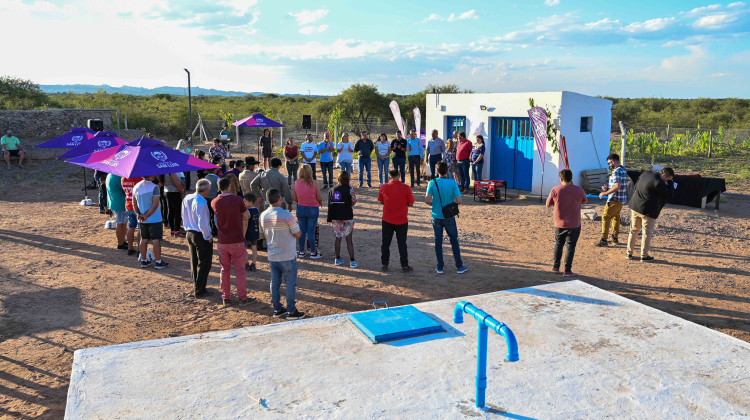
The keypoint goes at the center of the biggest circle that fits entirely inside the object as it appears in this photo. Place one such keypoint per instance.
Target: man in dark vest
(652, 192)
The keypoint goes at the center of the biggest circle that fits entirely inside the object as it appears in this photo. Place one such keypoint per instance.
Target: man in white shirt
(196, 218)
(309, 151)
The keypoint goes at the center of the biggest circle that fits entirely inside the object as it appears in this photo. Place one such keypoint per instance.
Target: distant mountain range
(132, 90)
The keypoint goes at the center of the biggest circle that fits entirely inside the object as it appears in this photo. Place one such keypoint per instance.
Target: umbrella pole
(85, 191)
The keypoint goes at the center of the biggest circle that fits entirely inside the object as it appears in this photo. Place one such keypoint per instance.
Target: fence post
(710, 142)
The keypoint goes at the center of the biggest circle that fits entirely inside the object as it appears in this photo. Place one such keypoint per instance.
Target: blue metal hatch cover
(394, 323)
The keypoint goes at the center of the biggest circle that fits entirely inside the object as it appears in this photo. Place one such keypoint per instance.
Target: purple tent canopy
(146, 142)
(257, 120)
(138, 161)
(100, 141)
(68, 140)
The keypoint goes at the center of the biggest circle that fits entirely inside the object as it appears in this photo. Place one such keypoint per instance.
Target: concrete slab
(584, 353)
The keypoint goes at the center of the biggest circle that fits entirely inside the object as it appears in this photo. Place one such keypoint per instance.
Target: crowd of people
(244, 208)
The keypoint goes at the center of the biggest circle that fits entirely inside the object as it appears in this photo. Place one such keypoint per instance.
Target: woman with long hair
(307, 196)
(450, 159)
(383, 152)
(291, 154)
(477, 158)
(234, 185)
(341, 199)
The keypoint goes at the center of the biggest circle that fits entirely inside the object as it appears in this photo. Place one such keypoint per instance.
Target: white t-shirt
(346, 150)
(308, 150)
(382, 148)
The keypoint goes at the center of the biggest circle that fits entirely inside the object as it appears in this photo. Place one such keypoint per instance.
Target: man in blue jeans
(364, 147)
(399, 155)
(280, 230)
(441, 192)
(325, 152)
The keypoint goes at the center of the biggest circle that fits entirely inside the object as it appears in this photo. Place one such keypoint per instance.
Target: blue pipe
(485, 321)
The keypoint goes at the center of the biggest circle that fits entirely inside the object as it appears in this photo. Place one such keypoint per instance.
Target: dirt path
(63, 286)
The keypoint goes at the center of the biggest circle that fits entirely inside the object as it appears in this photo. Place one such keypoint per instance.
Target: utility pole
(190, 110)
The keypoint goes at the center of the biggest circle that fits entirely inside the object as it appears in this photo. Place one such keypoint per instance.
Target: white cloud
(307, 17)
(716, 21)
(433, 17)
(681, 68)
(649, 25)
(702, 11)
(307, 30)
(719, 75)
(552, 2)
(470, 14)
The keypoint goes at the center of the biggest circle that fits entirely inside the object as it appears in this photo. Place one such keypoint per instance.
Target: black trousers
(434, 159)
(385, 252)
(174, 210)
(567, 237)
(415, 163)
(201, 257)
(214, 229)
(102, 194)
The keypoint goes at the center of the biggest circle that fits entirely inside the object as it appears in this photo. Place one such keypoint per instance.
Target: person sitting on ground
(306, 194)
(196, 217)
(252, 234)
(566, 199)
(279, 228)
(272, 179)
(148, 209)
(231, 222)
(12, 147)
(217, 150)
(217, 161)
(341, 199)
(116, 204)
(442, 191)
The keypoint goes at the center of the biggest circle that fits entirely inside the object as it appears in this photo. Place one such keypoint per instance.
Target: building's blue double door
(512, 152)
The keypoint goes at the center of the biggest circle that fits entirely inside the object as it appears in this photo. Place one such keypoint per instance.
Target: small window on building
(586, 124)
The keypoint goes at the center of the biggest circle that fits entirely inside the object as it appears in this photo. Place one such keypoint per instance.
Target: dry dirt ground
(63, 286)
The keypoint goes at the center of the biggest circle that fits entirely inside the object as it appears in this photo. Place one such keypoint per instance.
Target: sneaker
(145, 264)
(316, 255)
(360, 186)
(21, 165)
(647, 258)
(599, 243)
(354, 264)
(300, 255)
(179, 233)
(615, 241)
(568, 274)
(407, 269)
(295, 315)
(462, 270)
(629, 257)
(132, 252)
(384, 268)
(278, 314)
(160, 265)
(247, 301)
(556, 270)
(338, 261)
(123, 247)
(369, 185)
(439, 270)
(226, 302)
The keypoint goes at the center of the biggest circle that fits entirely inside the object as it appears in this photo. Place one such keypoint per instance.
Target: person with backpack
(341, 215)
(442, 192)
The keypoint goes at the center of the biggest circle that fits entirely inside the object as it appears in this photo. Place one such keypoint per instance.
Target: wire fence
(654, 142)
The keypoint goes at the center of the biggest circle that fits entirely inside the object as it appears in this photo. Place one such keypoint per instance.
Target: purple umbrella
(68, 140)
(100, 141)
(138, 161)
(146, 142)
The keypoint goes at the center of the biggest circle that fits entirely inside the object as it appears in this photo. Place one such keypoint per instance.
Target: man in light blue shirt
(435, 150)
(416, 152)
(196, 218)
(325, 151)
(442, 191)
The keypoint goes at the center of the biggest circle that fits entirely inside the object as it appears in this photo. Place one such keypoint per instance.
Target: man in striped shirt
(280, 229)
(617, 192)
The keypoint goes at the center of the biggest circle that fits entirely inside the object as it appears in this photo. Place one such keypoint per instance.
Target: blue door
(512, 152)
(454, 123)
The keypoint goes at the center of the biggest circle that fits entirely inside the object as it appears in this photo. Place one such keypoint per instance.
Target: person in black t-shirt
(399, 155)
(341, 199)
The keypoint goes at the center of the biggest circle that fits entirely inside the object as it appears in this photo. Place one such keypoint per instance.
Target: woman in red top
(291, 154)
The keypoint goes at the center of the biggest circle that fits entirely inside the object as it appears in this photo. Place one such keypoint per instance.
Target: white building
(503, 120)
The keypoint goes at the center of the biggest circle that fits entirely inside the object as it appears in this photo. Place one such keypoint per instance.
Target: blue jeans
(308, 219)
(400, 164)
(476, 171)
(383, 170)
(463, 173)
(365, 164)
(288, 270)
(326, 169)
(450, 228)
(346, 166)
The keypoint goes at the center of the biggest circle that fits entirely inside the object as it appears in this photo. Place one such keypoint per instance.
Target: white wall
(567, 108)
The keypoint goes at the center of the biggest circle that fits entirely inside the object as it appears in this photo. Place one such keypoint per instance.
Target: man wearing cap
(12, 147)
(271, 179)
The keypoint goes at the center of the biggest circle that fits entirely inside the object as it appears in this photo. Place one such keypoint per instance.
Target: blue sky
(626, 49)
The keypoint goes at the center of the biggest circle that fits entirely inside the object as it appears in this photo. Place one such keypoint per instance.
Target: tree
(361, 102)
(16, 93)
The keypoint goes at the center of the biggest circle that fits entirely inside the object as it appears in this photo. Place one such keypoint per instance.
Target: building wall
(567, 108)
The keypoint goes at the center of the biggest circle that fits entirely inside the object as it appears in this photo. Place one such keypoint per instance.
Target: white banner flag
(418, 119)
(397, 116)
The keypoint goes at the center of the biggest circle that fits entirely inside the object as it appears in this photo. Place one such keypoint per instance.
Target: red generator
(490, 191)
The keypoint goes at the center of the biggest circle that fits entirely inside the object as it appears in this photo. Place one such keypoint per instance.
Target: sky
(635, 48)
